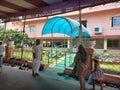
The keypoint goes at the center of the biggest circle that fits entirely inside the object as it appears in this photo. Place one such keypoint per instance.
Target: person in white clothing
(37, 56)
(1, 54)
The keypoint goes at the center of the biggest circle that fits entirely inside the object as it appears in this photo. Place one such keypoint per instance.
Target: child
(97, 74)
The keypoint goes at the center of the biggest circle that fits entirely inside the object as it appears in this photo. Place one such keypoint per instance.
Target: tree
(13, 35)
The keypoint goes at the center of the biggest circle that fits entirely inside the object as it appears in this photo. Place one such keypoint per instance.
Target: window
(112, 44)
(84, 22)
(32, 29)
(116, 21)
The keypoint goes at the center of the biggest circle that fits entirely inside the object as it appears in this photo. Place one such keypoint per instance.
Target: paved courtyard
(12, 78)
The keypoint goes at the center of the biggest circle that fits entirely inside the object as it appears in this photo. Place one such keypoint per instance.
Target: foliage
(27, 55)
(108, 68)
(107, 57)
(54, 53)
(16, 36)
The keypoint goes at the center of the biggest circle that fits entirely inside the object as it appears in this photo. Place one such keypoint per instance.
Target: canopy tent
(65, 26)
(11, 10)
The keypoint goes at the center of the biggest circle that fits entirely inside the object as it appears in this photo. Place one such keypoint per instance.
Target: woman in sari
(81, 66)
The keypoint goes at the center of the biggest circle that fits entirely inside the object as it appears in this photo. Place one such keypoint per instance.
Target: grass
(111, 68)
(108, 68)
(47, 58)
(27, 55)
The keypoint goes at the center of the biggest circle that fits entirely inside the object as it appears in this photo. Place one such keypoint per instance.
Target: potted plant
(89, 43)
(10, 41)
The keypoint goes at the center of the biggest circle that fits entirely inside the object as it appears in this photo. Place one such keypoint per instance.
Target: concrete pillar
(9, 49)
(68, 43)
(105, 45)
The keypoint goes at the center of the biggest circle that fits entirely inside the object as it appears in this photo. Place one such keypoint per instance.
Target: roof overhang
(107, 37)
(11, 10)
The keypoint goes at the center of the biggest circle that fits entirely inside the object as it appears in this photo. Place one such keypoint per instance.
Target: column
(68, 43)
(105, 45)
(9, 51)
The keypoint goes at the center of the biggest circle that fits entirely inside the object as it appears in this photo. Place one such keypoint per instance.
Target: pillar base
(9, 52)
(104, 50)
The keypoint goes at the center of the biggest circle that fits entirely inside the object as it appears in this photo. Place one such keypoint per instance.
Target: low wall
(20, 62)
(108, 77)
(103, 62)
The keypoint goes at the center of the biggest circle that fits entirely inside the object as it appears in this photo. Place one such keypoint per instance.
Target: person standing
(81, 67)
(1, 54)
(98, 74)
(37, 57)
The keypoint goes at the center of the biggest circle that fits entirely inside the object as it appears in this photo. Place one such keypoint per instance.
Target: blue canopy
(65, 26)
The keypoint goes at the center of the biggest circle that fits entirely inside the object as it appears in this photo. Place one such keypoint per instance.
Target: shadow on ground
(12, 78)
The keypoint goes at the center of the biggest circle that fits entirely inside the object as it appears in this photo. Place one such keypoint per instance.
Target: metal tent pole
(22, 48)
(80, 27)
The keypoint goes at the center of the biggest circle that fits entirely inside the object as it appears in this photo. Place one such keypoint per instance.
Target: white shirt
(37, 49)
(1, 50)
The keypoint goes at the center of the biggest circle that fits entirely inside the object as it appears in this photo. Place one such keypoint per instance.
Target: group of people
(81, 68)
(81, 65)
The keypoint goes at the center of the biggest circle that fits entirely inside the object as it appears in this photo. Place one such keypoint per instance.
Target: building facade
(103, 23)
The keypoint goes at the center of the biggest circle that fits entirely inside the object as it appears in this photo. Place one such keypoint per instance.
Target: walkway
(11, 78)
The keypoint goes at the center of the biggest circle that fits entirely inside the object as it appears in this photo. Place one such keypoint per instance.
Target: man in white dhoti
(37, 56)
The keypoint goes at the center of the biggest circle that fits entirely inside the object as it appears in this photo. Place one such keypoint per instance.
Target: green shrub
(18, 45)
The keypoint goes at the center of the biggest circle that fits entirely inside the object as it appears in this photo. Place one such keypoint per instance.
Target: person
(98, 74)
(80, 69)
(37, 56)
(1, 54)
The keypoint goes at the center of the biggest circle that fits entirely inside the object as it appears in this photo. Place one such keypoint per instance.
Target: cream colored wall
(95, 16)
(103, 19)
(14, 25)
(39, 24)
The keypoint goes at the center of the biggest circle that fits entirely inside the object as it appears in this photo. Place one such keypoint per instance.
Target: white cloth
(36, 65)
(37, 50)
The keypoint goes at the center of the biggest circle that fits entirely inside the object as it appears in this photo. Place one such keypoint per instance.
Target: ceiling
(11, 10)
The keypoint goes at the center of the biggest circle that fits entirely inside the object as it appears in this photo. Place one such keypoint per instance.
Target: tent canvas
(65, 26)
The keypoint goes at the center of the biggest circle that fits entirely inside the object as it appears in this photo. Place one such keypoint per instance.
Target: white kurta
(38, 54)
